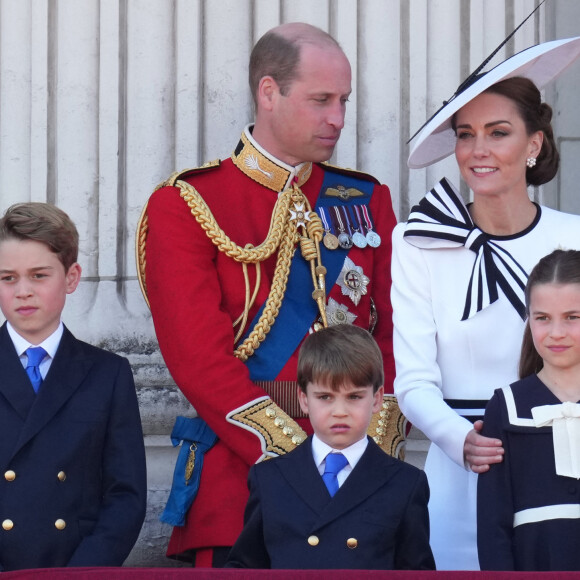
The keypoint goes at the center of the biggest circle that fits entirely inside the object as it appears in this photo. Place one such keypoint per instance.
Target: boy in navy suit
(337, 501)
(72, 459)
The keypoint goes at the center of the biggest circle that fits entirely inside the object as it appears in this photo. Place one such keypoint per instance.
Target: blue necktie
(35, 355)
(334, 463)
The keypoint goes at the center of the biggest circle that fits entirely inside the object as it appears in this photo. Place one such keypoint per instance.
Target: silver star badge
(338, 313)
(352, 281)
(300, 215)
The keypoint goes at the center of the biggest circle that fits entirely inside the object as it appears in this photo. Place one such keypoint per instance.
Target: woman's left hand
(480, 452)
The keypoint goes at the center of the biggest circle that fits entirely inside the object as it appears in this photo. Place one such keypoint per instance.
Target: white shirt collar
(49, 344)
(352, 453)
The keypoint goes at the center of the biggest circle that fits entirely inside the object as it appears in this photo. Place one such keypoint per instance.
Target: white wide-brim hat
(541, 64)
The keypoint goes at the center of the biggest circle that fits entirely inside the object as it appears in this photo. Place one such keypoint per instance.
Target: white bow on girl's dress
(565, 421)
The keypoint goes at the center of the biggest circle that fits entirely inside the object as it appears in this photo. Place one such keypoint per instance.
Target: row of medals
(346, 240)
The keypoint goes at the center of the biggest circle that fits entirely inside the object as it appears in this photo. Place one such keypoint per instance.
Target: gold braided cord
(242, 319)
(143, 229)
(277, 291)
(315, 231)
(249, 255)
(283, 234)
(206, 220)
(140, 240)
(256, 285)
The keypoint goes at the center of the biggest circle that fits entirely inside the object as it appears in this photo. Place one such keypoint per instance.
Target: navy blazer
(73, 481)
(378, 519)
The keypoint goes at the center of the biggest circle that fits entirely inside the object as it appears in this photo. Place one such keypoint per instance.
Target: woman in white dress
(459, 274)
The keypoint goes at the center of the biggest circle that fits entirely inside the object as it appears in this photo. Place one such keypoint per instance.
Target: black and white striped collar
(441, 220)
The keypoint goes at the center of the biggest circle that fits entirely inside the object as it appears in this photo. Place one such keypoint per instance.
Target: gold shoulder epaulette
(388, 428)
(170, 181)
(349, 172)
(143, 226)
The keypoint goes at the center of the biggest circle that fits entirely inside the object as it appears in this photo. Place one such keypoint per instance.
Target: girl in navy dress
(528, 508)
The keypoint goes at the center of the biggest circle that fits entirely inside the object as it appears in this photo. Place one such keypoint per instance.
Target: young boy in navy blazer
(72, 459)
(372, 513)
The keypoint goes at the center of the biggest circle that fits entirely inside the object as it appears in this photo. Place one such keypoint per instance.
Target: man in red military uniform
(241, 259)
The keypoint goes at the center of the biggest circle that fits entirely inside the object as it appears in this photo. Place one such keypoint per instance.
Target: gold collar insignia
(268, 171)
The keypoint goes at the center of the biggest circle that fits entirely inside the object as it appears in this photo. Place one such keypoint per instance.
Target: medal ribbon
(358, 217)
(349, 228)
(358, 237)
(352, 220)
(341, 228)
(324, 219)
(368, 220)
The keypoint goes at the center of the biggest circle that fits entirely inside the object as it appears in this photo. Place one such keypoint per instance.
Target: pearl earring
(531, 162)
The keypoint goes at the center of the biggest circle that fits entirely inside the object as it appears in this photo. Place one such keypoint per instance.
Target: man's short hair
(341, 355)
(45, 223)
(277, 54)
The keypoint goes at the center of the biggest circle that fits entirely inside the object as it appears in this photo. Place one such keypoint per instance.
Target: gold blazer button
(60, 524)
(352, 543)
(10, 475)
(7, 524)
(61, 475)
(313, 540)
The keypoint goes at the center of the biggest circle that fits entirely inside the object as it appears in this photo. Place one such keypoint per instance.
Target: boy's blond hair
(340, 355)
(45, 223)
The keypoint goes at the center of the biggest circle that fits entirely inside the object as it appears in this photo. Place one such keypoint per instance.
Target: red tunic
(196, 292)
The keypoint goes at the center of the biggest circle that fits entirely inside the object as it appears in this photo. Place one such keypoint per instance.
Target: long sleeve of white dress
(418, 383)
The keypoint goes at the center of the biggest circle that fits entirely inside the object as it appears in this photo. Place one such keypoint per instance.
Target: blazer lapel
(15, 385)
(299, 470)
(67, 371)
(373, 470)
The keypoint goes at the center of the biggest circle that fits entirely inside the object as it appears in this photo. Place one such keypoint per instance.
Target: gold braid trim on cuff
(387, 428)
(279, 431)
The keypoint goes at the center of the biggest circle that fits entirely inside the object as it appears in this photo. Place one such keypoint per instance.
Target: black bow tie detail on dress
(441, 220)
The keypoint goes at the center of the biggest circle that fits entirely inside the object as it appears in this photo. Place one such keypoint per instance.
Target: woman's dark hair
(559, 267)
(537, 116)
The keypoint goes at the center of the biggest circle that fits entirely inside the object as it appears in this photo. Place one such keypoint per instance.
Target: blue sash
(299, 310)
